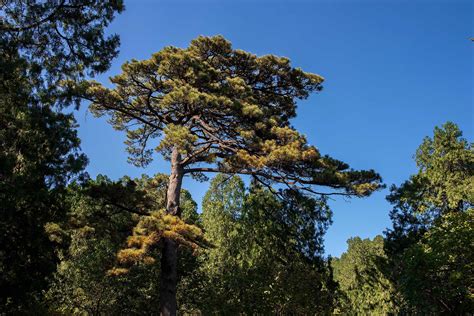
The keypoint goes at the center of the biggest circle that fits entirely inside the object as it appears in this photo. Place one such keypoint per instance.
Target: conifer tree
(364, 289)
(42, 43)
(58, 40)
(219, 109)
(267, 254)
(430, 245)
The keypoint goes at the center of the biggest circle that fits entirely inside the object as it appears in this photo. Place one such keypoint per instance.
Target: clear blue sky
(393, 69)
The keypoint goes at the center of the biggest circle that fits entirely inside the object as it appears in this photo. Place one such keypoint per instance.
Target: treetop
(225, 108)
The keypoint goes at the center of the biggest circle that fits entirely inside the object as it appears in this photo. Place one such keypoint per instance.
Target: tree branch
(37, 23)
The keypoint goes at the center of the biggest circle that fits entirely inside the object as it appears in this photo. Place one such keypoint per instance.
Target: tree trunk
(169, 254)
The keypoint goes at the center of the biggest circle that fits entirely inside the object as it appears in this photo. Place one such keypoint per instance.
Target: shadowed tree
(42, 43)
(59, 40)
(217, 109)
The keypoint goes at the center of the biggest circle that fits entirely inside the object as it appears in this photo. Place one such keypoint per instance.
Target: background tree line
(71, 244)
(424, 263)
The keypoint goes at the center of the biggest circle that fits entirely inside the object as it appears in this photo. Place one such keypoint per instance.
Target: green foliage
(42, 43)
(102, 215)
(39, 154)
(445, 178)
(92, 233)
(221, 265)
(59, 41)
(364, 289)
(224, 107)
(94, 246)
(446, 165)
(218, 109)
(430, 243)
(424, 265)
(438, 270)
(266, 254)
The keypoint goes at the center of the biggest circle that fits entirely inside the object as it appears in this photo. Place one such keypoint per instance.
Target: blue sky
(393, 70)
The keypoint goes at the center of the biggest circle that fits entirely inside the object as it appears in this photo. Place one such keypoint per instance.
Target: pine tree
(227, 109)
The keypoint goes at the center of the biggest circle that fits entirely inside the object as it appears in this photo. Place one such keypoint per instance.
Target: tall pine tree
(218, 109)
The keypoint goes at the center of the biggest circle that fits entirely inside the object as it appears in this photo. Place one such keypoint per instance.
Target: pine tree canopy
(225, 110)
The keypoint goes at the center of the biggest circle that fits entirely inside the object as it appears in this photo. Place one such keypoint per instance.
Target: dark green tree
(58, 41)
(38, 156)
(102, 214)
(227, 109)
(437, 271)
(430, 246)
(364, 289)
(267, 253)
(43, 46)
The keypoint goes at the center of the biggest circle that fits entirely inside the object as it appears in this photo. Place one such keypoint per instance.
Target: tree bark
(169, 253)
